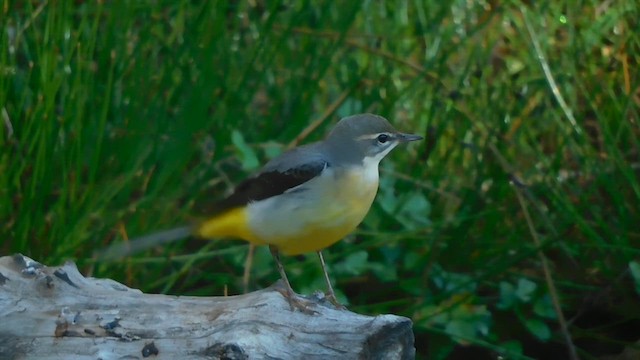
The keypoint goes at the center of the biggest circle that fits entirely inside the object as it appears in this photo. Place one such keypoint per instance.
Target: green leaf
(543, 307)
(525, 289)
(272, 149)
(412, 260)
(414, 211)
(248, 157)
(538, 328)
(477, 317)
(354, 264)
(429, 315)
(511, 348)
(460, 328)
(384, 273)
(387, 198)
(508, 296)
(453, 282)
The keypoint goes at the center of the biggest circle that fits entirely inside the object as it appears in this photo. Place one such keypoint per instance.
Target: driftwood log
(56, 313)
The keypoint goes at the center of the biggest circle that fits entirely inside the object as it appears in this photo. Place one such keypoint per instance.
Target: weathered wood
(56, 313)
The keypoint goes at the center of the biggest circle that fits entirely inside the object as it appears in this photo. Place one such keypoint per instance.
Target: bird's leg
(294, 301)
(331, 295)
(247, 268)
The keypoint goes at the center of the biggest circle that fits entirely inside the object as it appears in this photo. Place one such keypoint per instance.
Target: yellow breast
(319, 215)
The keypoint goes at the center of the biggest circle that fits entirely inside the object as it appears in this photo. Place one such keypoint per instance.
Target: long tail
(123, 249)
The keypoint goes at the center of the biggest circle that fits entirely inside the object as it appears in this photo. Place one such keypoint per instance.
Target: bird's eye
(383, 138)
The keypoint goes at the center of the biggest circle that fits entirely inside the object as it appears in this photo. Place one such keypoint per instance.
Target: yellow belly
(314, 239)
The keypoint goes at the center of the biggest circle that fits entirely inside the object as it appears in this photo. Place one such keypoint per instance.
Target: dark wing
(268, 184)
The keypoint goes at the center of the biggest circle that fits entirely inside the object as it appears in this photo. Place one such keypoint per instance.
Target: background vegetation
(124, 118)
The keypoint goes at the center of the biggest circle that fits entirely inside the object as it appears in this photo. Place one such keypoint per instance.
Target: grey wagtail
(304, 200)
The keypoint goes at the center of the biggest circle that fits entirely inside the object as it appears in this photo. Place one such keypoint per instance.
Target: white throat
(370, 163)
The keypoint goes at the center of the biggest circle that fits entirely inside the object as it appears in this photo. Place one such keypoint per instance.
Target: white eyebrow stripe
(371, 136)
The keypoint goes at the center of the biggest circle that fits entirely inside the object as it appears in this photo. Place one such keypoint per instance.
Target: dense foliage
(512, 229)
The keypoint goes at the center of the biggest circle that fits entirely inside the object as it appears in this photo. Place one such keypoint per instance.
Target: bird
(302, 201)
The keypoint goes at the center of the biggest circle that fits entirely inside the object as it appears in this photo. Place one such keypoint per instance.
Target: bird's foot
(331, 297)
(296, 302)
(301, 305)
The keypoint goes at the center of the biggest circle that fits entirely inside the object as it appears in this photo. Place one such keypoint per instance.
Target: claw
(297, 303)
(331, 297)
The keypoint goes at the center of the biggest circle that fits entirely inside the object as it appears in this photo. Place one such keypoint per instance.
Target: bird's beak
(408, 137)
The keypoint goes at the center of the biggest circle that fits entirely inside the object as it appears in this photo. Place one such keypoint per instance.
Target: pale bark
(56, 313)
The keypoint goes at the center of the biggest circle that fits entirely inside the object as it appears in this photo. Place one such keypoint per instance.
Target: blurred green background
(511, 231)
